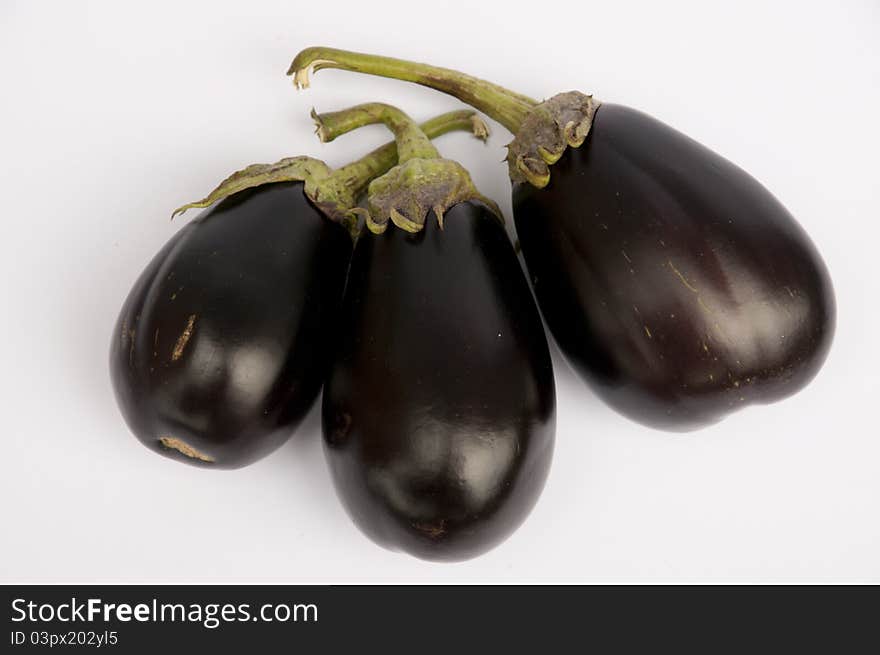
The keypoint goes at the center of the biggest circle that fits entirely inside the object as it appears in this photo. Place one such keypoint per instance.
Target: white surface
(114, 113)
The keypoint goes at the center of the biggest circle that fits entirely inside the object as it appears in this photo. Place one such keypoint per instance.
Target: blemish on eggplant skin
(173, 443)
(131, 347)
(341, 427)
(431, 529)
(681, 277)
(184, 338)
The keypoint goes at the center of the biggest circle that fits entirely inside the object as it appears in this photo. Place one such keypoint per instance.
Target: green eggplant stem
(505, 106)
(412, 142)
(358, 174)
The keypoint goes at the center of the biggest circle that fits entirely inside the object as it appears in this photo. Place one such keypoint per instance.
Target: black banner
(290, 619)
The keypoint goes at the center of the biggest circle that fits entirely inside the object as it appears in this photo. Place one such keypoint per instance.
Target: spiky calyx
(334, 192)
(326, 191)
(558, 123)
(408, 192)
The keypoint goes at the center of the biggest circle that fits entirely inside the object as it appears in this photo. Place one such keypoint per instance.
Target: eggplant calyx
(557, 123)
(327, 192)
(406, 193)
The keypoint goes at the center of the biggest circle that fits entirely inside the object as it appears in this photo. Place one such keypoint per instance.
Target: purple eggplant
(439, 408)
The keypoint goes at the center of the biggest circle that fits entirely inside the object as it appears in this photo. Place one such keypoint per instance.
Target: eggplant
(671, 278)
(221, 346)
(673, 282)
(439, 407)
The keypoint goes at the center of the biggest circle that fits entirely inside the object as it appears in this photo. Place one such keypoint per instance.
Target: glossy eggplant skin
(439, 410)
(672, 280)
(222, 342)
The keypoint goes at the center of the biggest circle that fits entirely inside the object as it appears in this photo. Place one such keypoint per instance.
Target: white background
(113, 113)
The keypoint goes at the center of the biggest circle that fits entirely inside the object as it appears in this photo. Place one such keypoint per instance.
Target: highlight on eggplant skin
(675, 283)
(219, 350)
(439, 409)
